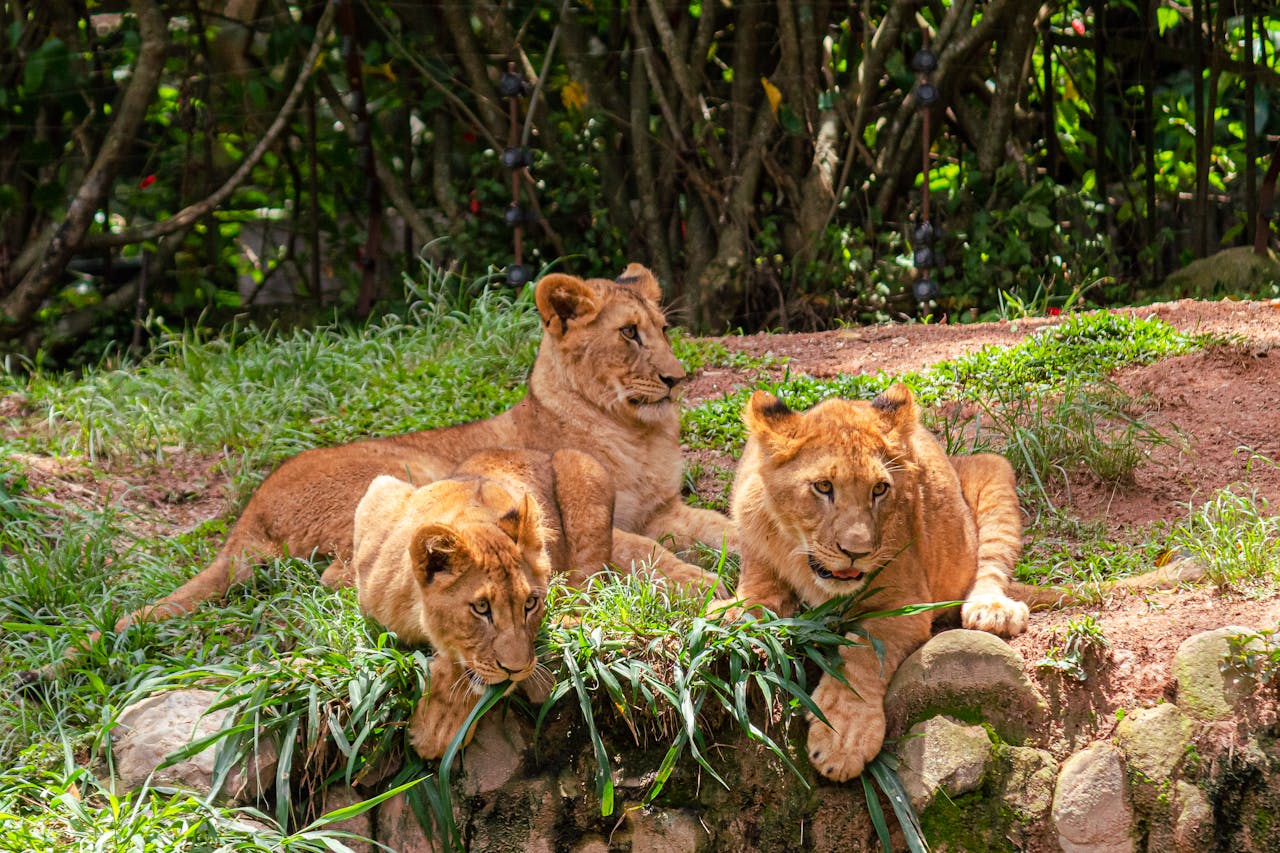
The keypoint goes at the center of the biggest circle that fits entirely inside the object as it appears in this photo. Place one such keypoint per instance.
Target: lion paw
(434, 724)
(841, 750)
(996, 614)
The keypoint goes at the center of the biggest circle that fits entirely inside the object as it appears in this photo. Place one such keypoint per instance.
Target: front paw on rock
(839, 758)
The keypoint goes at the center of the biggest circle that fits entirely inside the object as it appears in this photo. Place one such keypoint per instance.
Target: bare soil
(1224, 402)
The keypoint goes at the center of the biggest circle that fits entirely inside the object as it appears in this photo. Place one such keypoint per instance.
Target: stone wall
(977, 753)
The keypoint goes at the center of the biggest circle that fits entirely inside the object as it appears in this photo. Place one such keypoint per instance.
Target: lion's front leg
(442, 710)
(854, 732)
(855, 727)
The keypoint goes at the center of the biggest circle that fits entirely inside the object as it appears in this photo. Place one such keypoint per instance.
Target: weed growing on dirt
(1234, 537)
(1083, 645)
(1062, 550)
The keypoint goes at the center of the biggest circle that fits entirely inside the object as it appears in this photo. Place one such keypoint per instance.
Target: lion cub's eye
(824, 488)
(481, 607)
(630, 332)
(530, 603)
(878, 490)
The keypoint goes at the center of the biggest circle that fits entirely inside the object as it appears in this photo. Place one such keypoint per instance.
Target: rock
(340, 796)
(1154, 741)
(398, 828)
(665, 832)
(942, 754)
(1205, 690)
(1091, 810)
(149, 730)
(494, 754)
(965, 671)
(1234, 270)
(1193, 821)
(1027, 786)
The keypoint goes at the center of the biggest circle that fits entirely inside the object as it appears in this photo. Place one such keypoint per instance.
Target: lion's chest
(646, 477)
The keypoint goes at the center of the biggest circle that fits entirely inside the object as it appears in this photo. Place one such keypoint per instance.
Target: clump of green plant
(1083, 646)
(1257, 654)
(1061, 549)
(670, 666)
(1095, 427)
(1232, 535)
(1056, 361)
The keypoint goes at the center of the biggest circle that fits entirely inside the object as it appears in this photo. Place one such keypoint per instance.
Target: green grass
(299, 662)
(1081, 350)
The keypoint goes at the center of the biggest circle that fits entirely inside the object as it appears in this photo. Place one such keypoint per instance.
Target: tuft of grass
(1232, 535)
(1083, 645)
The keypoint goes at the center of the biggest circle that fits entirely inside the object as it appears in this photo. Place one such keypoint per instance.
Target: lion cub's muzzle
(850, 573)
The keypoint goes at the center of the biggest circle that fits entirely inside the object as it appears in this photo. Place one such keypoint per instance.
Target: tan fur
(462, 564)
(849, 487)
(604, 382)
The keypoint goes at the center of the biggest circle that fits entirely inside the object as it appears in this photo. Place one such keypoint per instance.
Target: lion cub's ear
(563, 299)
(897, 408)
(524, 524)
(432, 550)
(644, 281)
(771, 421)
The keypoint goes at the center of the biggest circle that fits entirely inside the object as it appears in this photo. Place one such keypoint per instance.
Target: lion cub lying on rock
(463, 563)
(826, 497)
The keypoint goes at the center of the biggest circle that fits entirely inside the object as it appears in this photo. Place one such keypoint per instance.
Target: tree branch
(63, 239)
(186, 217)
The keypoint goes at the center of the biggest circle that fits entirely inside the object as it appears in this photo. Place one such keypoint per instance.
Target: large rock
(1193, 823)
(1154, 742)
(149, 730)
(1207, 689)
(941, 754)
(1091, 810)
(672, 831)
(970, 675)
(1026, 787)
(1231, 271)
(494, 755)
(340, 796)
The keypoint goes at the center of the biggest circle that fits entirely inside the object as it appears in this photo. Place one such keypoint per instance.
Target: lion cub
(463, 563)
(825, 497)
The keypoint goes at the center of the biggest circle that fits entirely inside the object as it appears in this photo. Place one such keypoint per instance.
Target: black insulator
(513, 215)
(518, 275)
(924, 61)
(925, 290)
(517, 158)
(510, 85)
(926, 234)
(923, 258)
(926, 94)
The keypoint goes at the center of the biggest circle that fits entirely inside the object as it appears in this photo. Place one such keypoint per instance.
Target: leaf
(574, 96)
(772, 93)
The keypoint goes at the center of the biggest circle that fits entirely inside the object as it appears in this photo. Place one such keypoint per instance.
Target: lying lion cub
(462, 564)
(604, 382)
(825, 497)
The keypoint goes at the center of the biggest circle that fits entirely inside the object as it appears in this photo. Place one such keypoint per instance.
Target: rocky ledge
(976, 746)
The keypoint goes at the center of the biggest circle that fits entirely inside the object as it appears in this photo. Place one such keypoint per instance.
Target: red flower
(1078, 26)
(468, 137)
(1054, 311)
(475, 204)
(146, 182)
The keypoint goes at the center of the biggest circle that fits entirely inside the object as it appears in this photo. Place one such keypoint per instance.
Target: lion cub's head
(830, 480)
(460, 564)
(606, 341)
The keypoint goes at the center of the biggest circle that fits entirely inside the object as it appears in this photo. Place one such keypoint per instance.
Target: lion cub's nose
(854, 556)
(672, 381)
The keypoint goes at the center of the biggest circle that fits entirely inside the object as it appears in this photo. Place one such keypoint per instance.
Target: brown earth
(1223, 402)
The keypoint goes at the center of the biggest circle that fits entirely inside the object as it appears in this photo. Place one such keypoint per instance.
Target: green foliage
(1081, 349)
(1232, 535)
(1082, 644)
